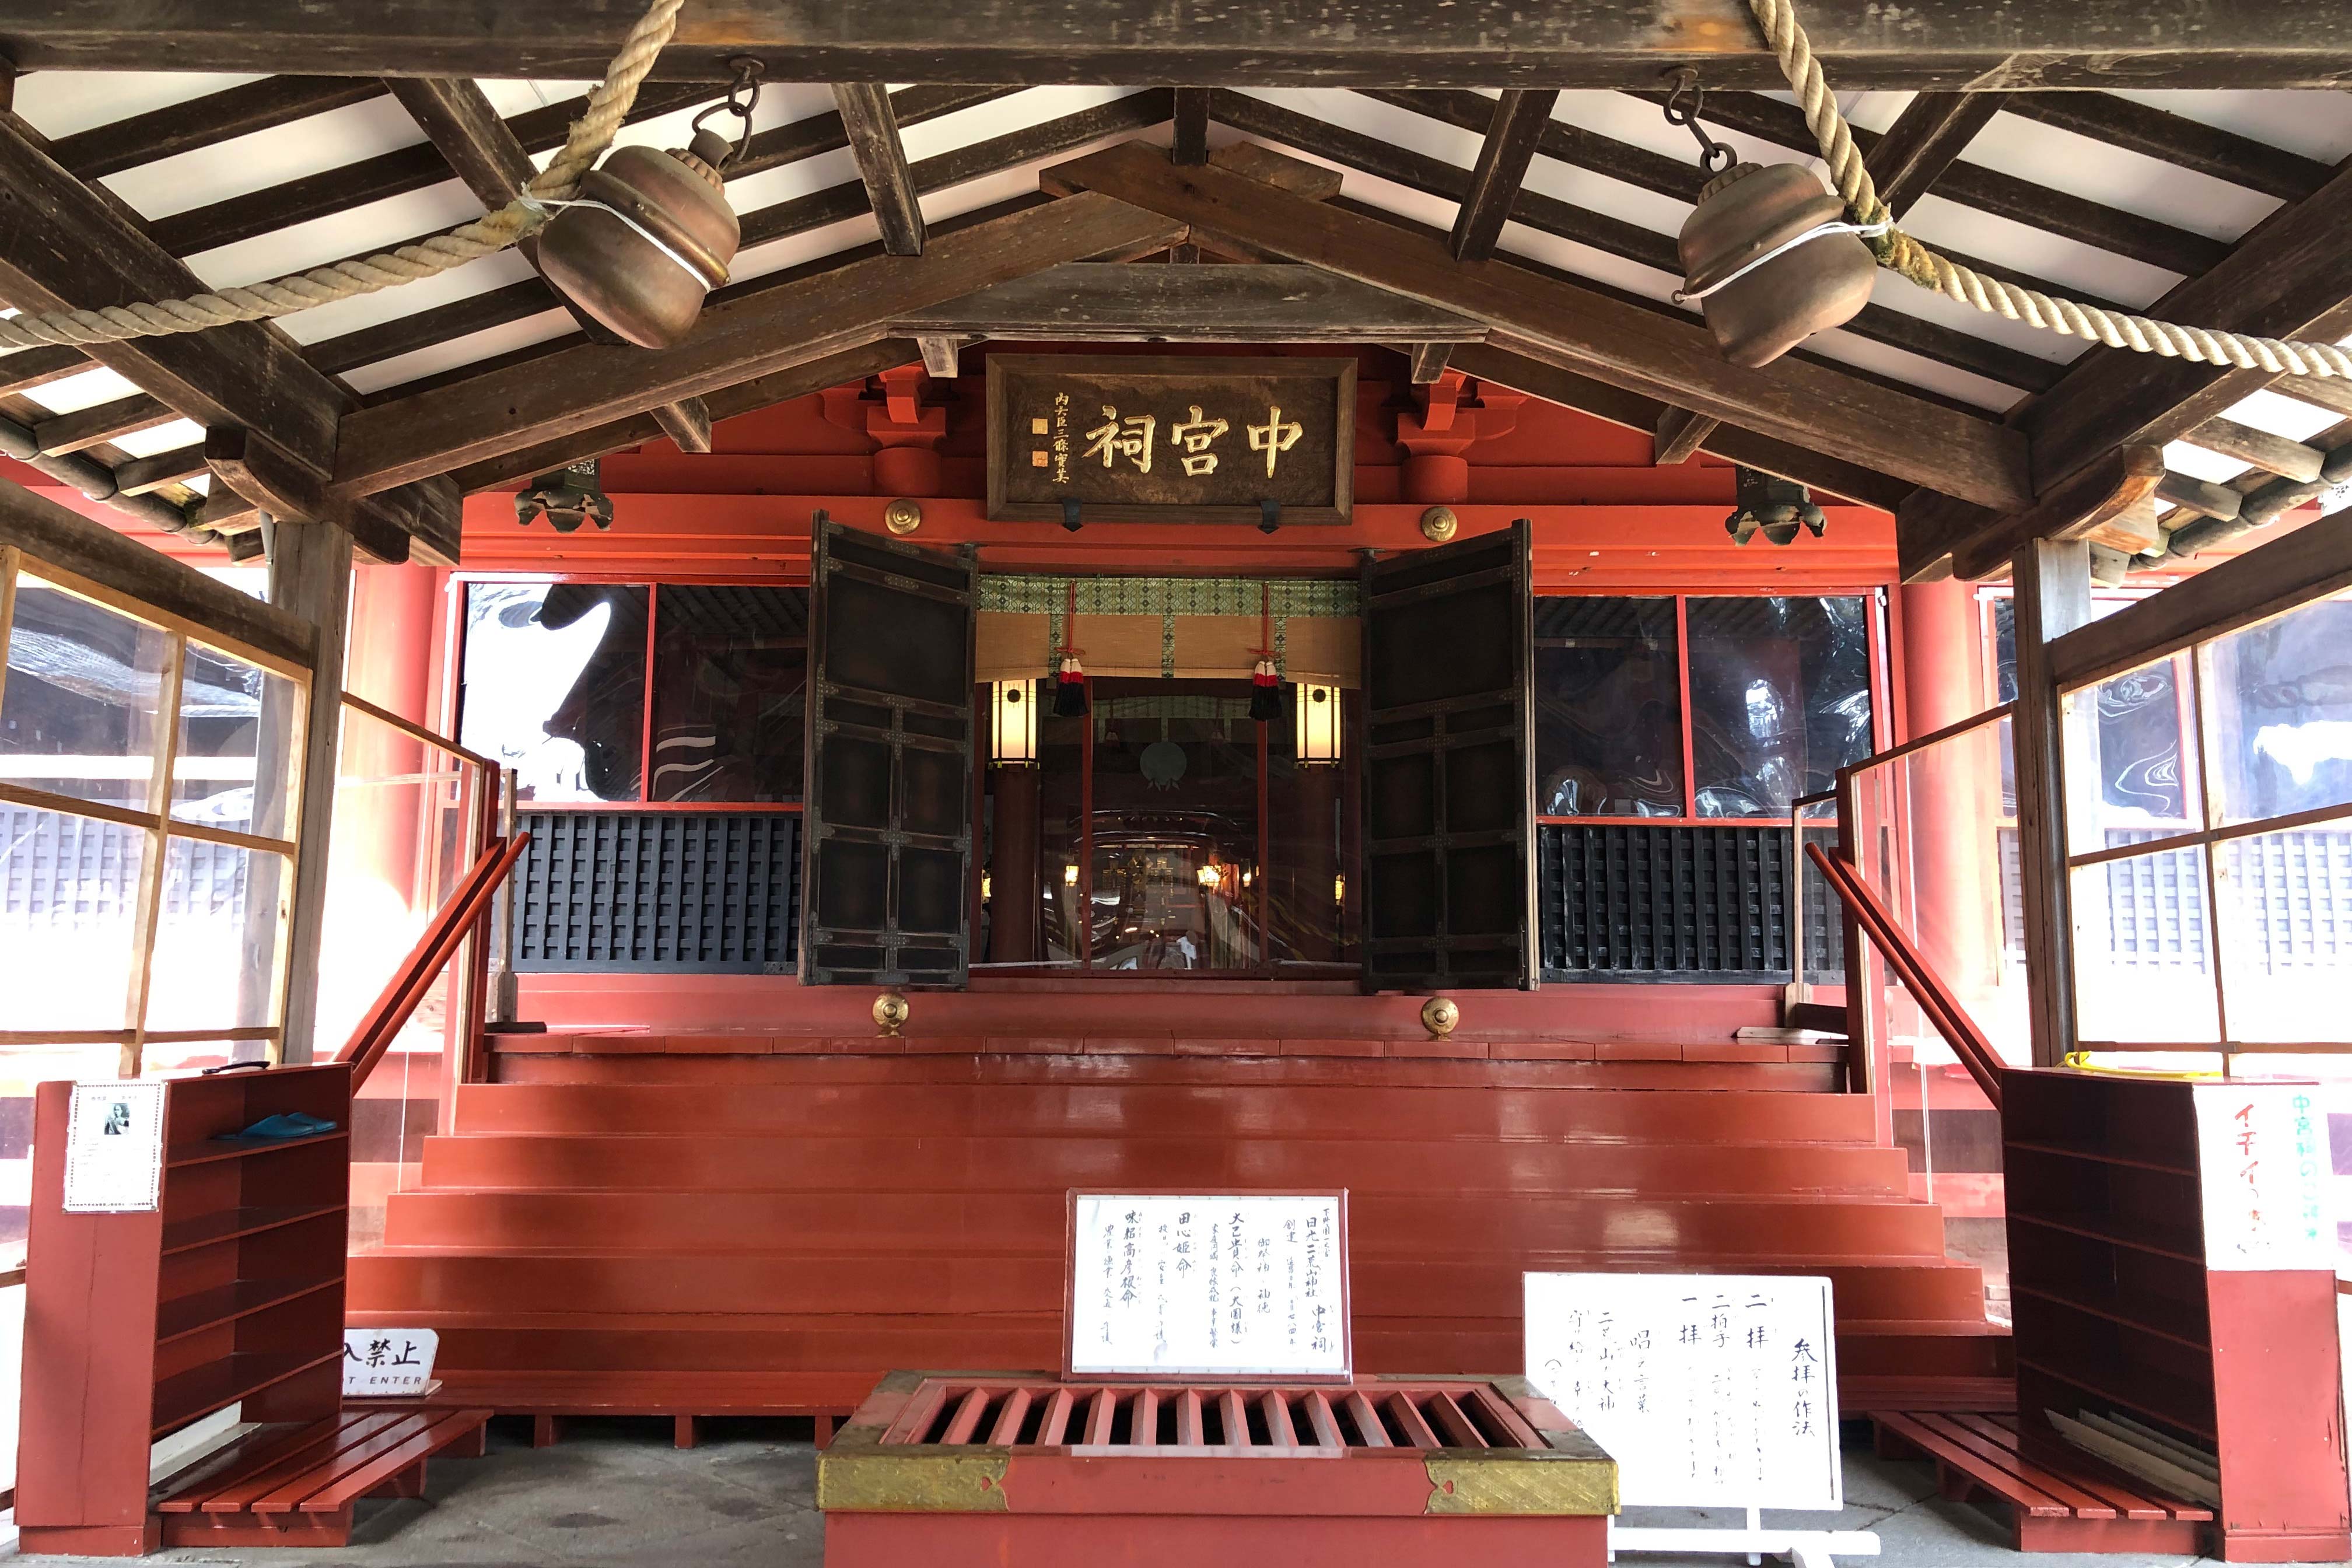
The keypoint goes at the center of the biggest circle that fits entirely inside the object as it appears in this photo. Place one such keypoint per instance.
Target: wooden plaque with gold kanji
(1171, 440)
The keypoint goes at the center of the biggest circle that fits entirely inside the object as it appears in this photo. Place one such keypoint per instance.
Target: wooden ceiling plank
(881, 157)
(1679, 435)
(1570, 389)
(1927, 139)
(839, 309)
(800, 214)
(2174, 138)
(1513, 130)
(1313, 43)
(744, 397)
(1621, 161)
(1102, 302)
(1664, 357)
(207, 121)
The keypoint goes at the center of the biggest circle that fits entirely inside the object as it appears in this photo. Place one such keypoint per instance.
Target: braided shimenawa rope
(608, 106)
(1898, 252)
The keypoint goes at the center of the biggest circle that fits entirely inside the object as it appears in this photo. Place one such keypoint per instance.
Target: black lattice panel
(699, 892)
(1683, 903)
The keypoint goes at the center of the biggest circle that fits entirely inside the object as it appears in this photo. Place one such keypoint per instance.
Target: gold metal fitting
(1439, 1015)
(890, 1013)
(1439, 524)
(902, 516)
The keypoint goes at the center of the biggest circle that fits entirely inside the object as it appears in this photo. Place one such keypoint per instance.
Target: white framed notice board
(1709, 1390)
(1234, 1285)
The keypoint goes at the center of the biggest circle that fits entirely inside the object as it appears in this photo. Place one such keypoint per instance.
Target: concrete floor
(615, 1493)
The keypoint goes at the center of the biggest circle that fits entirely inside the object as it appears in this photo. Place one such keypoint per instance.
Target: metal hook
(742, 97)
(1686, 86)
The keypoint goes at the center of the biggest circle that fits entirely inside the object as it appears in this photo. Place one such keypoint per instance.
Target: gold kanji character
(1274, 438)
(1129, 438)
(1194, 435)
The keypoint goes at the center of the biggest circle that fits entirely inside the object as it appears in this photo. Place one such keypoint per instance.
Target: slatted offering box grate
(941, 1468)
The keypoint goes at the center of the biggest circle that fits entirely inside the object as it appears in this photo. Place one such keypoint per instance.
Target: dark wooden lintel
(1101, 303)
(2112, 494)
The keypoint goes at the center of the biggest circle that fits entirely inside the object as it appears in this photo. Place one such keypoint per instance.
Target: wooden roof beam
(1660, 356)
(206, 121)
(1927, 139)
(1308, 43)
(573, 389)
(1516, 126)
(1100, 302)
(2173, 138)
(881, 158)
(1678, 436)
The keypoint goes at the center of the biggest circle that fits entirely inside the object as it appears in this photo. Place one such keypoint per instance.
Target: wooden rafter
(771, 329)
(1660, 356)
(1516, 126)
(1926, 139)
(881, 157)
(2173, 138)
(1306, 43)
(1678, 436)
(204, 121)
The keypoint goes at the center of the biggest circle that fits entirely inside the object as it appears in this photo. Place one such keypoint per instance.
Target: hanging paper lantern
(1265, 692)
(1070, 689)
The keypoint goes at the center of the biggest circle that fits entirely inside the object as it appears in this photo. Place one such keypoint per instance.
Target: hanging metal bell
(1761, 304)
(650, 235)
(1774, 507)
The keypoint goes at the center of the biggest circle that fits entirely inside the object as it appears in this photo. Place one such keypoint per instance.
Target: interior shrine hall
(1033, 785)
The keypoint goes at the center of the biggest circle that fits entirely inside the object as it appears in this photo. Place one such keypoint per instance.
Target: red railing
(467, 911)
(1934, 997)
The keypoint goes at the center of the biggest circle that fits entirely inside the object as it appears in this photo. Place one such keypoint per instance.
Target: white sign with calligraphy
(1708, 1390)
(114, 1148)
(2265, 1151)
(1242, 1284)
(381, 1364)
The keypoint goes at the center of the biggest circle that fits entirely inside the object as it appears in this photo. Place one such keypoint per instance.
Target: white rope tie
(1819, 231)
(1898, 252)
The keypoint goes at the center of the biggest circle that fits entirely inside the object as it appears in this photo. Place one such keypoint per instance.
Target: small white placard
(1708, 1390)
(114, 1148)
(380, 1363)
(2265, 1151)
(1202, 1286)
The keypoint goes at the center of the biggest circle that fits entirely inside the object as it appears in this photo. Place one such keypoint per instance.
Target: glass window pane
(1061, 838)
(2279, 713)
(730, 666)
(2284, 925)
(2147, 786)
(69, 919)
(1175, 821)
(2143, 970)
(555, 687)
(78, 714)
(216, 963)
(1609, 721)
(233, 716)
(1779, 700)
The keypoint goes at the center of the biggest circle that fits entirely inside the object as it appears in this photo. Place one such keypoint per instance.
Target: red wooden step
(1637, 1229)
(2053, 1498)
(1057, 1162)
(277, 1487)
(1327, 1110)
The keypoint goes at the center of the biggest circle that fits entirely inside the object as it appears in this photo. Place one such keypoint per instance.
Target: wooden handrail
(1935, 998)
(434, 948)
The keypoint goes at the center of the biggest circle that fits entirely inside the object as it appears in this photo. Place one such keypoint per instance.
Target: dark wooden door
(1449, 783)
(888, 813)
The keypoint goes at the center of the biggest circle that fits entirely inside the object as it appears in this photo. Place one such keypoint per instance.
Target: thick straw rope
(1898, 252)
(608, 106)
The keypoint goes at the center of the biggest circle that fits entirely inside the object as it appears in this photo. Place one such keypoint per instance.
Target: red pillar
(388, 662)
(1954, 790)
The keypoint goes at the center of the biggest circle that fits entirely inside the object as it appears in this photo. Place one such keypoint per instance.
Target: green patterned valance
(1021, 593)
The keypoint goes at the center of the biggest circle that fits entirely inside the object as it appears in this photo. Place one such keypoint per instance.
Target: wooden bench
(2056, 1498)
(281, 1486)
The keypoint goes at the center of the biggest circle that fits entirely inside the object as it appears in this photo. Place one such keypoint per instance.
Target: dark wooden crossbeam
(204, 121)
(1678, 436)
(841, 308)
(1294, 43)
(1581, 224)
(1516, 125)
(2080, 507)
(1926, 139)
(2174, 139)
(801, 215)
(1664, 357)
(1092, 302)
(1830, 476)
(881, 157)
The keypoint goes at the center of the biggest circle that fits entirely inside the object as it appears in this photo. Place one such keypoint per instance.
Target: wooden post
(311, 574)
(2053, 583)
